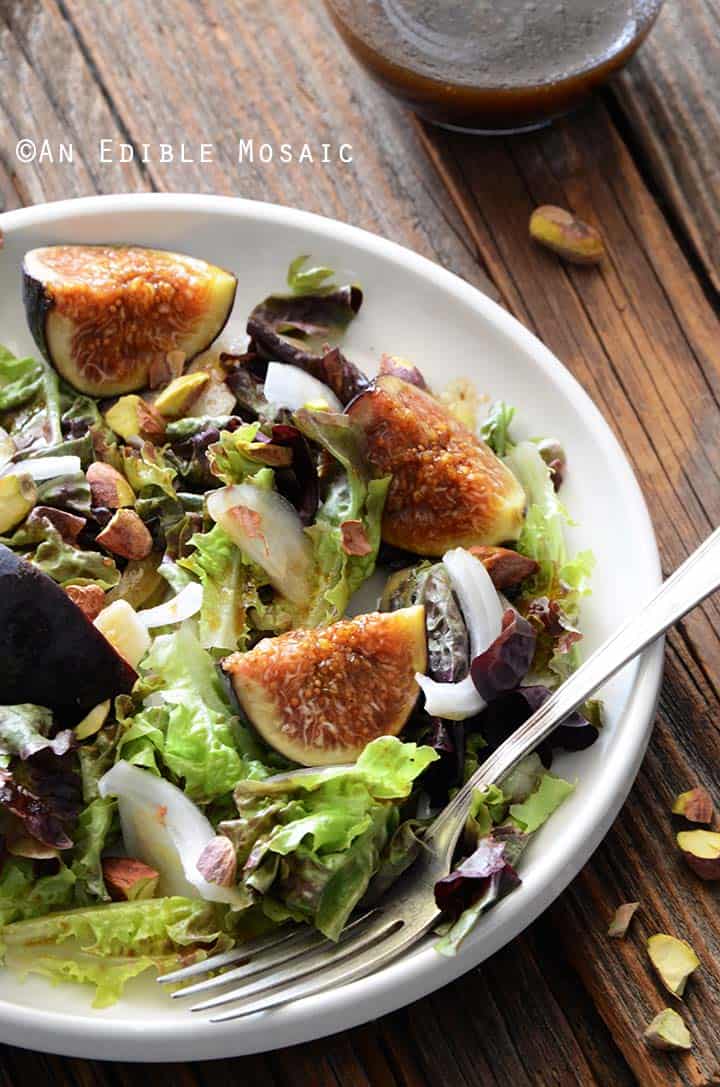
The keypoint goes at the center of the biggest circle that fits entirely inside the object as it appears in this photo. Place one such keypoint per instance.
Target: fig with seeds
(320, 696)
(106, 316)
(448, 488)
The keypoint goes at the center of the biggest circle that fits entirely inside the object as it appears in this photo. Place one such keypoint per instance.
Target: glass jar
(492, 65)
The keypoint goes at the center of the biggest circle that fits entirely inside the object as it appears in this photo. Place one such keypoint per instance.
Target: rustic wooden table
(562, 1004)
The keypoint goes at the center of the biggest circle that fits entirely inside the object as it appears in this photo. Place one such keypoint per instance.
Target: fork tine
(287, 951)
(226, 958)
(309, 963)
(269, 954)
(374, 956)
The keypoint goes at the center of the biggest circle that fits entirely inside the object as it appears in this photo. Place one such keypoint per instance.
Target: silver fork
(293, 964)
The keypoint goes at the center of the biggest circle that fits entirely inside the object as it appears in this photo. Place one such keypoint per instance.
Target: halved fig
(50, 652)
(320, 696)
(448, 487)
(105, 315)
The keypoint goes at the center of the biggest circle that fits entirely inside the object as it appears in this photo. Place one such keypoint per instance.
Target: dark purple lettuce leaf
(448, 739)
(246, 381)
(488, 869)
(506, 662)
(554, 456)
(299, 483)
(406, 371)
(505, 714)
(189, 456)
(549, 620)
(299, 330)
(44, 794)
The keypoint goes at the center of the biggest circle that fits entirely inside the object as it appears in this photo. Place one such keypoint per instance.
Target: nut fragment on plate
(126, 535)
(218, 862)
(668, 1031)
(89, 598)
(108, 487)
(701, 851)
(621, 920)
(695, 805)
(505, 566)
(129, 880)
(571, 238)
(674, 961)
(132, 417)
(69, 525)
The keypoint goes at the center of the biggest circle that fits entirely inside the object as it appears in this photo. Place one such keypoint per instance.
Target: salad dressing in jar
(492, 65)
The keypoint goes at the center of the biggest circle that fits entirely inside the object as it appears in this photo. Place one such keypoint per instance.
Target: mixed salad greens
(196, 744)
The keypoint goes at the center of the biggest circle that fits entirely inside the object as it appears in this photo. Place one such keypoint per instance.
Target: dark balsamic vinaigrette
(492, 65)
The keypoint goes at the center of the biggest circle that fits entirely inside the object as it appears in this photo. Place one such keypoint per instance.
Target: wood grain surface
(562, 1004)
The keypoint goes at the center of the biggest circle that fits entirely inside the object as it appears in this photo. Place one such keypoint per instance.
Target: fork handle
(698, 576)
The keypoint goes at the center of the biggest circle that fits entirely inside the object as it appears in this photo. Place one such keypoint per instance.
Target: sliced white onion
(152, 700)
(483, 611)
(454, 701)
(290, 387)
(40, 468)
(183, 606)
(268, 530)
(164, 829)
(477, 596)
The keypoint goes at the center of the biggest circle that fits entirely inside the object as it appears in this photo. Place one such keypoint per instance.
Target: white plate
(418, 310)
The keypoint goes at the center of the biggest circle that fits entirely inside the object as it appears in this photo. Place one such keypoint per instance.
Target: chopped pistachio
(668, 1031)
(17, 498)
(695, 805)
(621, 920)
(701, 850)
(175, 400)
(93, 721)
(674, 961)
(569, 237)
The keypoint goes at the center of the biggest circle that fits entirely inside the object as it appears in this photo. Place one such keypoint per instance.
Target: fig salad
(199, 738)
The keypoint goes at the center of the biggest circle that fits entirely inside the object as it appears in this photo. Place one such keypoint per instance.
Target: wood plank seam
(104, 90)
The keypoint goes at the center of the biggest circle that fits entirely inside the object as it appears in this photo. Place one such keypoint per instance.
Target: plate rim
(92, 1035)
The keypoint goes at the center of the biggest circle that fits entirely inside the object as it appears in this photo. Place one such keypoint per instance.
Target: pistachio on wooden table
(571, 238)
